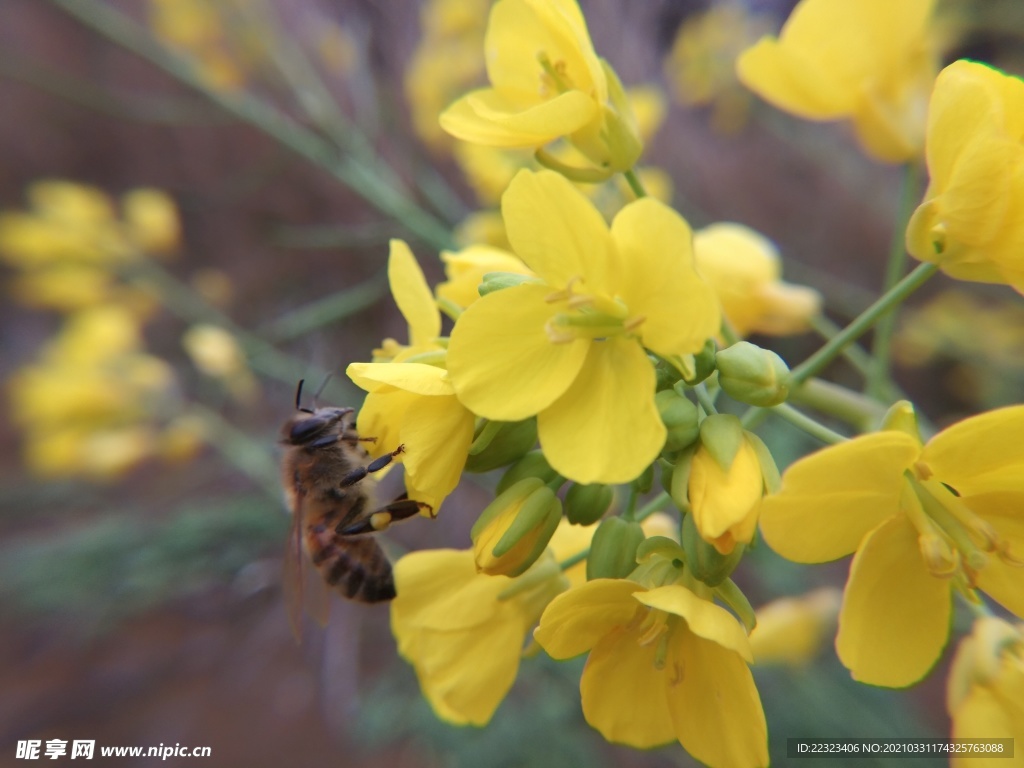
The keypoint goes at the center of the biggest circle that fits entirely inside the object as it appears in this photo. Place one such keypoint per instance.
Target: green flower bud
(680, 418)
(501, 443)
(678, 480)
(613, 549)
(902, 417)
(586, 504)
(704, 561)
(644, 480)
(533, 464)
(514, 530)
(753, 375)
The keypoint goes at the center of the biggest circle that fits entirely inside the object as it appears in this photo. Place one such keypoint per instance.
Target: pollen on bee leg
(379, 521)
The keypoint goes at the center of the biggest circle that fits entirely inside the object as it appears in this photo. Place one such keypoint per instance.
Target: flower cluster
(592, 351)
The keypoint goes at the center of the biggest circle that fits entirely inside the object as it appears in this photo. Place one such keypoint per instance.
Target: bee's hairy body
(328, 487)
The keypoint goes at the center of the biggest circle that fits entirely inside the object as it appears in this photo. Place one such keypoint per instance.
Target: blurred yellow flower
(216, 352)
(791, 630)
(971, 222)
(571, 347)
(985, 697)
(93, 404)
(546, 83)
(448, 60)
(744, 269)
(922, 520)
(657, 656)
(872, 62)
(199, 29)
(702, 63)
(68, 246)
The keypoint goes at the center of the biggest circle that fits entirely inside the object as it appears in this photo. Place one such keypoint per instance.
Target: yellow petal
(466, 269)
(831, 498)
(964, 106)
(440, 589)
(623, 692)
(1003, 582)
(417, 378)
(895, 617)
(412, 294)
(658, 282)
(981, 454)
(381, 417)
(501, 361)
(576, 620)
(558, 232)
(790, 80)
(733, 732)
(704, 618)
(484, 117)
(436, 433)
(606, 427)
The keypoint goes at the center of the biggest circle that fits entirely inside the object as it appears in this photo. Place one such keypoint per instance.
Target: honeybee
(327, 478)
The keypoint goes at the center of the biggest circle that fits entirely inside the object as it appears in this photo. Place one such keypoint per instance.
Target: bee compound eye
(304, 430)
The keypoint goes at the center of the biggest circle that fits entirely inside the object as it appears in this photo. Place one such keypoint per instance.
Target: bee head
(311, 424)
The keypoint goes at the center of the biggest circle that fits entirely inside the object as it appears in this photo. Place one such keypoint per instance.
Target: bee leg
(399, 509)
(352, 437)
(376, 465)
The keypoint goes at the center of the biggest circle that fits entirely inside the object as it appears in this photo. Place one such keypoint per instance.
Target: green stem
(878, 373)
(658, 502)
(359, 174)
(634, 183)
(820, 359)
(807, 424)
(327, 310)
(853, 353)
(852, 407)
(704, 398)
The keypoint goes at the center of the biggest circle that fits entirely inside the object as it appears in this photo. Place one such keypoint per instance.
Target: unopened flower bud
(586, 504)
(704, 561)
(613, 549)
(500, 444)
(680, 418)
(533, 464)
(514, 529)
(753, 375)
(726, 483)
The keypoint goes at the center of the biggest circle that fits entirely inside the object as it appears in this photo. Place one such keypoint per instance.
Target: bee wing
(363, 571)
(304, 589)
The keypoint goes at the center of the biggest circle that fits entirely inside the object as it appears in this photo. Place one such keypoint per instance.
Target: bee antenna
(298, 398)
(322, 387)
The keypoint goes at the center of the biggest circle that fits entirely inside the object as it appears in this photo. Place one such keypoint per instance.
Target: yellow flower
(970, 222)
(725, 499)
(790, 630)
(744, 269)
(657, 657)
(923, 520)
(411, 400)
(871, 62)
(466, 269)
(985, 696)
(571, 347)
(546, 83)
(464, 631)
